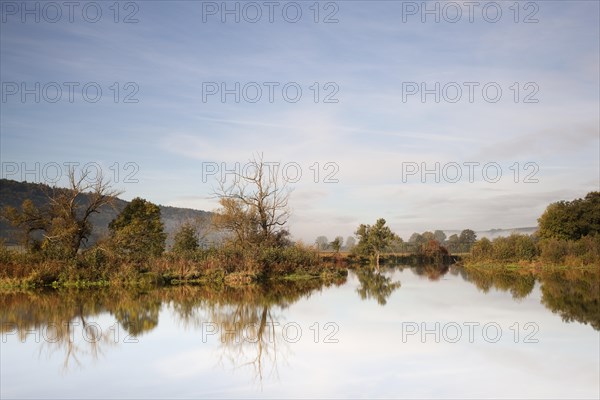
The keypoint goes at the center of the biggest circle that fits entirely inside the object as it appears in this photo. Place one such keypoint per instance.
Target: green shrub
(186, 240)
(482, 249)
(553, 250)
(589, 249)
(503, 249)
(585, 251)
(525, 248)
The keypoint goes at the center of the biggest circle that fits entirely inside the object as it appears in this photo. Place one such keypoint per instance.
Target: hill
(13, 193)
(498, 232)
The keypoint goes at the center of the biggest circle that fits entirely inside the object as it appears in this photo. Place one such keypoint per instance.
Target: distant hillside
(494, 233)
(13, 193)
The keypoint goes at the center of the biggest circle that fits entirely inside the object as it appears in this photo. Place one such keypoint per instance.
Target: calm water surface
(405, 333)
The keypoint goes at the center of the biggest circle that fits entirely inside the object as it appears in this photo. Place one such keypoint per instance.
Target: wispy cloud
(368, 134)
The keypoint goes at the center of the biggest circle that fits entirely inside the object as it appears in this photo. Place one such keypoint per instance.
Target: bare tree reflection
(249, 339)
(248, 320)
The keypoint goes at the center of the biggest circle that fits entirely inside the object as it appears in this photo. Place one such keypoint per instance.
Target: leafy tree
(590, 214)
(433, 251)
(440, 236)
(65, 221)
(186, 239)
(138, 232)
(427, 236)
(482, 249)
(558, 222)
(337, 243)
(416, 238)
(467, 236)
(553, 250)
(466, 239)
(322, 243)
(453, 243)
(374, 239)
(350, 242)
(571, 220)
(30, 220)
(397, 245)
(514, 248)
(525, 247)
(415, 241)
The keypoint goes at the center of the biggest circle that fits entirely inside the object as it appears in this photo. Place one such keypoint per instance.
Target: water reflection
(375, 285)
(60, 320)
(574, 294)
(137, 314)
(246, 318)
(433, 272)
(518, 283)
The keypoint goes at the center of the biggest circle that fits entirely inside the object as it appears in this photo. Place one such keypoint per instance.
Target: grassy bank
(530, 252)
(225, 265)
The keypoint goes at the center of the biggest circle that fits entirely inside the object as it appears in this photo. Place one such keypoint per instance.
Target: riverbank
(535, 265)
(233, 267)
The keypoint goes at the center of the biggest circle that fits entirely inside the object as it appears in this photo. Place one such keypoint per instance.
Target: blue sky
(369, 55)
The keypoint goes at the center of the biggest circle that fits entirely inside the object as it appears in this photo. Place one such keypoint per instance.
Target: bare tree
(322, 242)
(255, 204)
(77, 203)
(65, 221)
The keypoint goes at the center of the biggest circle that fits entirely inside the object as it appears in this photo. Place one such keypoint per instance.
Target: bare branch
(256, 201)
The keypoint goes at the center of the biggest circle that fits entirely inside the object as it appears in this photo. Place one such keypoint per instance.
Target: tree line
(455, 243)
(252, 223)
(568, 234)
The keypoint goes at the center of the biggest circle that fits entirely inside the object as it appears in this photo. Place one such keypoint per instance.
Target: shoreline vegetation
(568, 235)
(230, 266)
(219, 266)
(253, 241)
